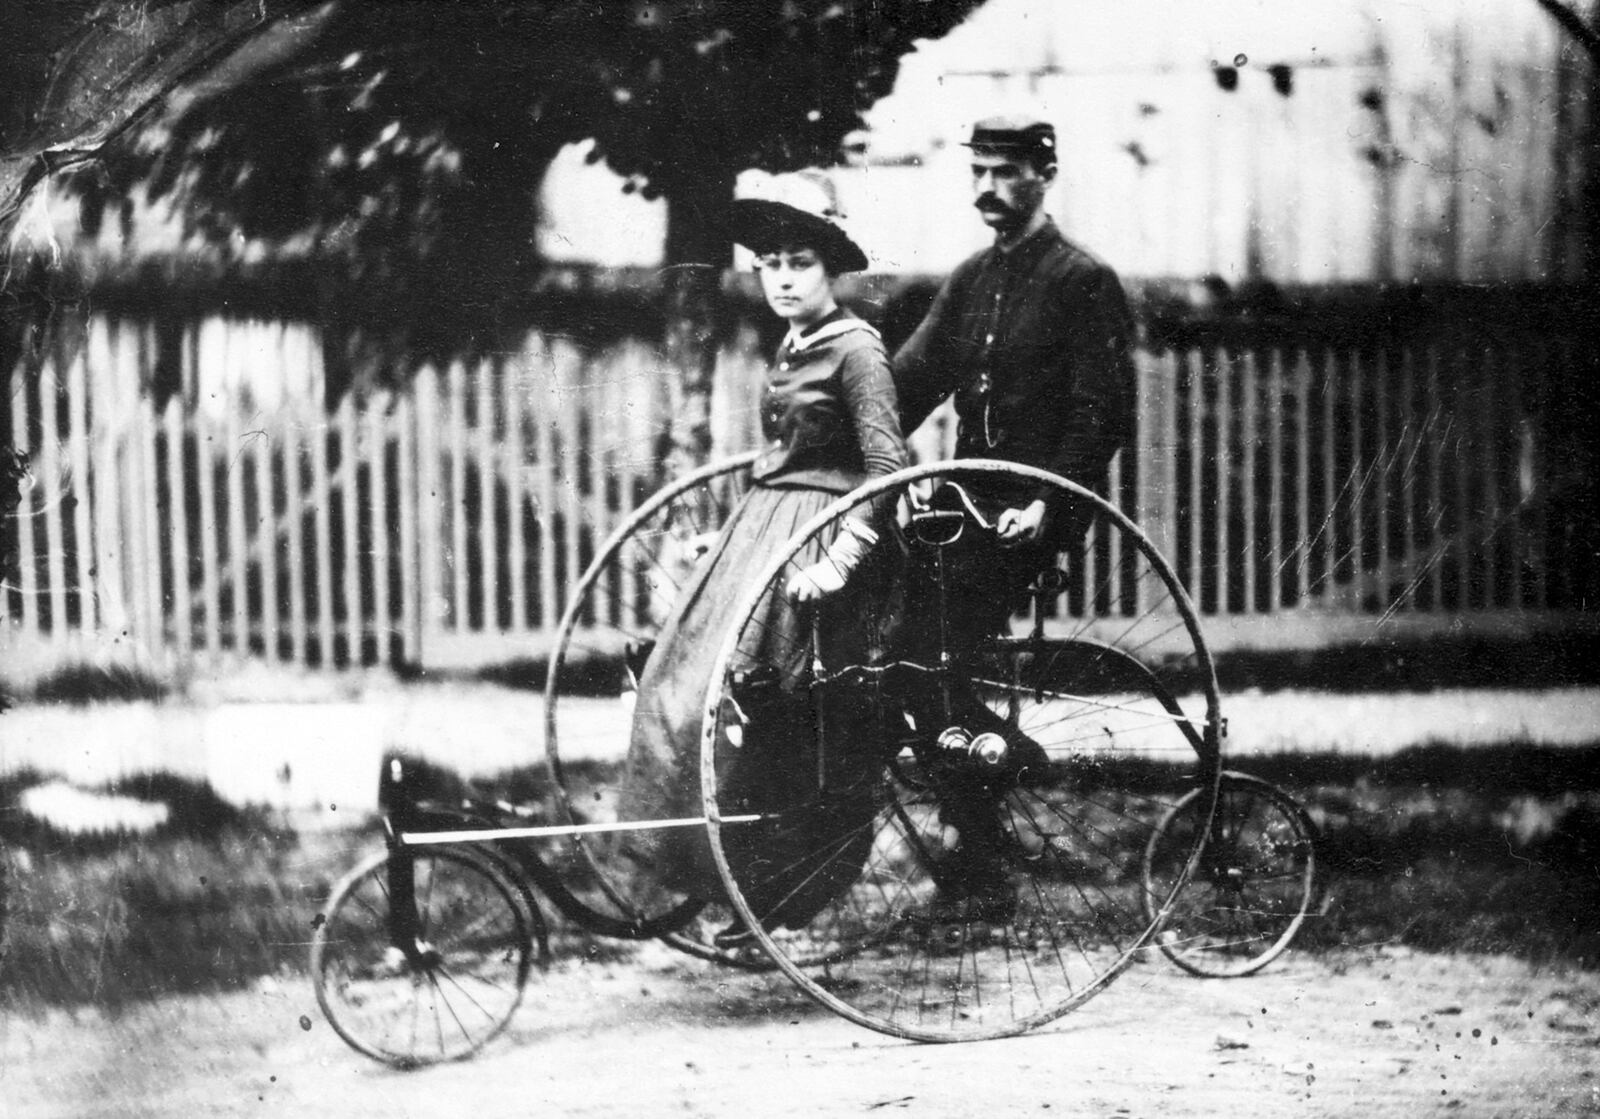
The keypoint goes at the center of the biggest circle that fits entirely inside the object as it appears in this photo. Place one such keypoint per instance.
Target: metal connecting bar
(487, 835)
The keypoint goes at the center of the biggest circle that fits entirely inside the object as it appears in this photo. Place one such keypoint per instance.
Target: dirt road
(1379, 1032)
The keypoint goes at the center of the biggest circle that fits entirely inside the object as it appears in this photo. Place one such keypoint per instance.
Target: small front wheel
(1252, 888)
(456, 979)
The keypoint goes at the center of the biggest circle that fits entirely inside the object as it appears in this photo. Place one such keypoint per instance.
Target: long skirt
(787, 870)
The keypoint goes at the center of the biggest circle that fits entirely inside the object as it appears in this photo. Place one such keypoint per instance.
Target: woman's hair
(830, 261)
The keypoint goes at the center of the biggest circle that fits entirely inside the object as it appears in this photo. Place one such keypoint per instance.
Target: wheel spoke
(1256, 882)
(987, 902)
(399, 1003)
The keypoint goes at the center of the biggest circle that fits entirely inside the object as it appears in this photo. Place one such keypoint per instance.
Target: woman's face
(796, 284)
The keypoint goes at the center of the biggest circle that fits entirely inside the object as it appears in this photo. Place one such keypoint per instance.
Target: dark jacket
(829, 409)
(1035, 344)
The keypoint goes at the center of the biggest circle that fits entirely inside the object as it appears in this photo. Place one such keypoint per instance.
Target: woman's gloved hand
(829, 574)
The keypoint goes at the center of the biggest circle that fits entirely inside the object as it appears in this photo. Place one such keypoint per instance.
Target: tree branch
(1573, 24)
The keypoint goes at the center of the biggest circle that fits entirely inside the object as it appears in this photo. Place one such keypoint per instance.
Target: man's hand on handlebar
(1021, 526)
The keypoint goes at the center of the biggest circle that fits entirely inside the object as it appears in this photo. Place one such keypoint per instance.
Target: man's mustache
(990, 202)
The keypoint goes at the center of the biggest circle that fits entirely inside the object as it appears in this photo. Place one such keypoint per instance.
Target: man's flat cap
(1015, 135)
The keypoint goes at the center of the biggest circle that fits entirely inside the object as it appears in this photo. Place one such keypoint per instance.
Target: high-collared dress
(829, 413)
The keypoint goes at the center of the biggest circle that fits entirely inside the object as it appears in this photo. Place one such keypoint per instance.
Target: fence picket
(568, 367)
(178, 528)
(53, 498)
(488, 551)
(78, 453)
(594, 382)
(348, 479)
(1250, 439)
(210, 574)
(1302, 477)
(1438, 542)
(1516, 546)
(294, 546)
(1195, 564)
(238, 544)
(377, 491)
(150, 516)
(27, 596)
(1359, 479)
(516, 555)
(1223, 422)
(266, 448)
(1488, 459)
(322, 515)
(408, 498)
(1329, 529)
(1531, 522)
(1383, 459)
(455, 385)
(430, 593)
(1276, 597)
(1465, 542)
(545, 420)
(1408, 444)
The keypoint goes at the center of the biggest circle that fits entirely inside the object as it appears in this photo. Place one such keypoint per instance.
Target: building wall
(1324, 141)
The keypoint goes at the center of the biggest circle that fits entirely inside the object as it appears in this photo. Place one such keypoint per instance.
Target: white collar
(795, 342)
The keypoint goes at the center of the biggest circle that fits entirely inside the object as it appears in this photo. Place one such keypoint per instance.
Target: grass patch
(1491, 850)
(212, 899)
(78, 683)
(1409, 665)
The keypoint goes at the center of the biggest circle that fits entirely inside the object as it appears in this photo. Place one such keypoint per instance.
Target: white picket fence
(1305, 492)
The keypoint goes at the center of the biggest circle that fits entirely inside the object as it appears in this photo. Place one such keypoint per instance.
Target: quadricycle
(1084, 745)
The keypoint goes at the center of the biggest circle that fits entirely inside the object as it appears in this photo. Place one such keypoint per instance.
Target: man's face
(1007, 191)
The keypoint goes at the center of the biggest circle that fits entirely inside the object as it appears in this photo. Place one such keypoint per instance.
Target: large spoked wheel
(436, 988)
(607, 632)
(1253, 888)
(930, 813)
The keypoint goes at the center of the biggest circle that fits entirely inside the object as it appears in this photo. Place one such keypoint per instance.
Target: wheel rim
(1254, 884)
(621, 601)
(941, 937)
(455, 991)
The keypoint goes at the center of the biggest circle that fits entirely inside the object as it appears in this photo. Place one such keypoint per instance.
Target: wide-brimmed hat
(797, 208)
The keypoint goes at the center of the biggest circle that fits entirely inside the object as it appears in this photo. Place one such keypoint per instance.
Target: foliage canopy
(402, 141)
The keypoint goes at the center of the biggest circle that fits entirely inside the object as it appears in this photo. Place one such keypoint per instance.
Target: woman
(831, 420)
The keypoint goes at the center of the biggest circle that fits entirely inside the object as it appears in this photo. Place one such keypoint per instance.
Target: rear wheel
(1254, 885)
(607, 633)
(936, 828)
(446, 987)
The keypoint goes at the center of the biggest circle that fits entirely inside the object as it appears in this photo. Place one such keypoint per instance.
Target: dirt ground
(1382, 1031)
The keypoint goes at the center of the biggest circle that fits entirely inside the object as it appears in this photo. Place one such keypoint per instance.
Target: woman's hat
(797, 208)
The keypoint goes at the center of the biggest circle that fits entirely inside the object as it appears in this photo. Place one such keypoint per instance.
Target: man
(1032, 338)
(1031, 335)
